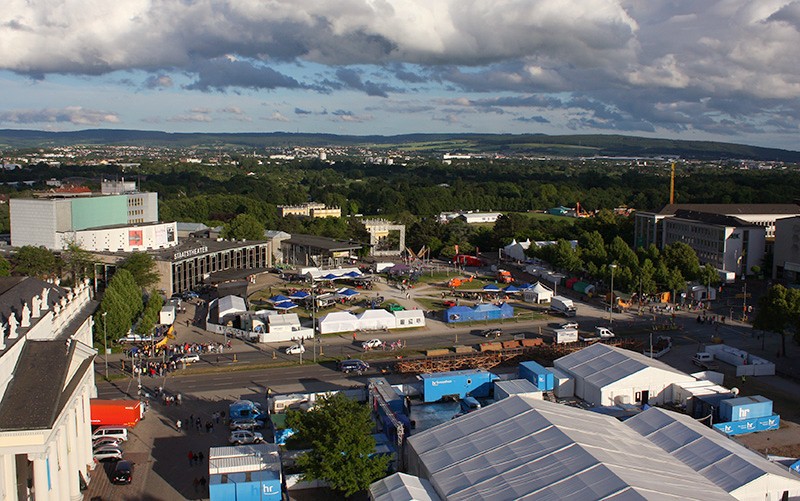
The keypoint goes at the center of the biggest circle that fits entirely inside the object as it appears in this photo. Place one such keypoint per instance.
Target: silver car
(240, 437)
(108, 454)
(244, 424)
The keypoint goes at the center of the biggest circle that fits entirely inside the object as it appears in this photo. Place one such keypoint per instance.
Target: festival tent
(409, 318)
(511, 289)
(299, 295)
(372, 320)
(538, 293)
(345, 292)
(480, 312)
(279, 298)
(491, 288)
(284, 305)
(458, 314)
(338, 321)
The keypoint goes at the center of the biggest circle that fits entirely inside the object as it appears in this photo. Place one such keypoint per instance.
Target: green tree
(776, 310)
(121, 304)
(151, 313)
(708, 275)
(338, 433)
(36, 262)
(244, 227)
(142, 268)
(77, 261)
(5, 267)
(680, 255)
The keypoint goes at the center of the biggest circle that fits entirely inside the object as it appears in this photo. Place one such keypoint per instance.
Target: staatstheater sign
(190, 252)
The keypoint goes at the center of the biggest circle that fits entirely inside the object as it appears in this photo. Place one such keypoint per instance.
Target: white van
(119, 432)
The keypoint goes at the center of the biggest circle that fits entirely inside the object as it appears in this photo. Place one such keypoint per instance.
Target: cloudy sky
(716, 69)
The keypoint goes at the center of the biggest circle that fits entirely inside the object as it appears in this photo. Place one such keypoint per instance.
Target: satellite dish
(735, 391)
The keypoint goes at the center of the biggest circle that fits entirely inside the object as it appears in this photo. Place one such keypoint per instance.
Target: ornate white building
(46, 381)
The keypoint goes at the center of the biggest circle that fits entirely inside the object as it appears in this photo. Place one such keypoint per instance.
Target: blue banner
(749, 425)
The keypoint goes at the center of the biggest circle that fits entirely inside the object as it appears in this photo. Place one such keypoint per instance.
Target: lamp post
(611, 304)
(105, 342)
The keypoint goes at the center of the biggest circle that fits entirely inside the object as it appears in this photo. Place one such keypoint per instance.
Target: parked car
(704, 360)
(492, 333)
(188, 358)
(448, 303)
(118, 432)
(239, 437)
(190, 295)
(106, 442)
(135, 338)
(296, 349)
(353, 365)
(469, 404)
(570, 325)
(371, 344)
(123, 473)
(108, 454)
(245, 424)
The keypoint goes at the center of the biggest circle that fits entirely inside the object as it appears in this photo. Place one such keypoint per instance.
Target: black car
(123, 473)
(354, 365)
(492, 332)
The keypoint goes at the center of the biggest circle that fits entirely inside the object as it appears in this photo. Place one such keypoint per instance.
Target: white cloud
(75, 115)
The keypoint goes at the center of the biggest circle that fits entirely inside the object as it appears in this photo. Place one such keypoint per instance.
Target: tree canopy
(338, 433)
(244, 227)
(36, 262)
(142, 268)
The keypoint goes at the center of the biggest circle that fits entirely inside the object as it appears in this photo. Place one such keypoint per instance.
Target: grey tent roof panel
(524, 448)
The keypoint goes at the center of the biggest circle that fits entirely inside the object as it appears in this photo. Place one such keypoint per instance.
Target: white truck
(705, 361)
(563, 305)
(565, 335)
(599, 333)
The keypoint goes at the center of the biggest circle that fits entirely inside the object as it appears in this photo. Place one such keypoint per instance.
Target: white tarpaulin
(338, 321)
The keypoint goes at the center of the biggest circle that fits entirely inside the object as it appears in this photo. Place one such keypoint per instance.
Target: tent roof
(376, 314)
(231, 303)
(602, 365)
(512, 288)
(299, 295)
(339, 316)
(521, 447)
(284, 305)
(279, 298)
(402, 487)
(725, 462)
(485, 307)
(539, 288)
(491, 287)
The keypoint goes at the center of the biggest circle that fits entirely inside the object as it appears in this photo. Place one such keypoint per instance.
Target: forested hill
(433, 144)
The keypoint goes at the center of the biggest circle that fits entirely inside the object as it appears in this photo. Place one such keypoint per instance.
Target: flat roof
(325, 243)
(733, 209)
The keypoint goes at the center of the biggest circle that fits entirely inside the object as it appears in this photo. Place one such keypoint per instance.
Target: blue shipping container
(457, 384)
(749, 425)
(739, 409)
(538, 375)
(263, 485)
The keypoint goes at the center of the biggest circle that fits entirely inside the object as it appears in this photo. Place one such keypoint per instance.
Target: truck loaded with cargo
(564, 335)
(563, 305)
(115, 412)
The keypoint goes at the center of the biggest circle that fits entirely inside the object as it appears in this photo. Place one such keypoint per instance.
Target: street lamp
(105, 342)
(611, 304)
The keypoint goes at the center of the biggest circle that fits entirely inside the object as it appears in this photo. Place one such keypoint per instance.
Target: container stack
(746, 415)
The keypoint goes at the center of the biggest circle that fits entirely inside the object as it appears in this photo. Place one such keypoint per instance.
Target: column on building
(74, 453)
(61, 457)
(84, 445)
(42, 487)
(8, 475)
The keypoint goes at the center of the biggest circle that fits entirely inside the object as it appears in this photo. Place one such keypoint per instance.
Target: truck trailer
(457, 384)
(563, 305)
(115, 412)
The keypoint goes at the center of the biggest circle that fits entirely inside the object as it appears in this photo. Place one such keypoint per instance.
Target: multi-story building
(55, 222)
(648, 226)
(786, 260)
(311, 209)
(727, 243)
(46, 381)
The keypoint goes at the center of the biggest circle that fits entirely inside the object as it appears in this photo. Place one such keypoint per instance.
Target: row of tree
(779, 311)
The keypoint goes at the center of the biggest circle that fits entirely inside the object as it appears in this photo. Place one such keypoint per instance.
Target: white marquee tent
(524, 448)
(373, 320)
(338, 321)
(607, 375)
(731, 466)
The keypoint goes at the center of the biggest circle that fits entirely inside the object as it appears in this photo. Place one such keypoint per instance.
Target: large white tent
(402, 487)
(409, 318)
(338, 321)
(524, 448)
(731, 466)
(607, 375)
(537, 294)
(373, 320)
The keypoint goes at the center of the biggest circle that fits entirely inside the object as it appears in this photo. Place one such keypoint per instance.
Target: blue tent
(279, 298)
(525, 286)
(353, 274)
(284, 305)
(491, 288)
(299, 295)
(483, 311)
(348, 293)
(458, 314)
(511, 289)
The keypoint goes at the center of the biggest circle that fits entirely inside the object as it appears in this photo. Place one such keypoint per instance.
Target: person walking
(190, 455)
(178, 425)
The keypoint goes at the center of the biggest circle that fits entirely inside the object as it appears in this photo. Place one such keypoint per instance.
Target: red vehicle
(448, 303)
(466, 260)
(115, 412)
